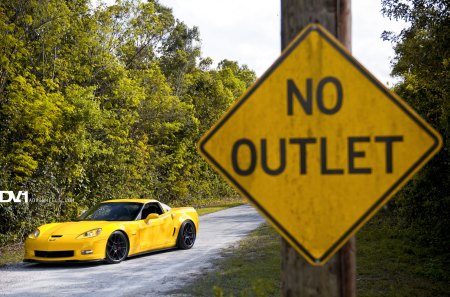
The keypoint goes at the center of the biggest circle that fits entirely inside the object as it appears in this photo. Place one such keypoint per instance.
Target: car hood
(75, 228)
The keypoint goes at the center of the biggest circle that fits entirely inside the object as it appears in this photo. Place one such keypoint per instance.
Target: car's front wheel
(116, 248)
(186, 236)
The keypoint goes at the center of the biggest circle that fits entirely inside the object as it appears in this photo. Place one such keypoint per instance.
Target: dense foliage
(423, 63)
(104, 102)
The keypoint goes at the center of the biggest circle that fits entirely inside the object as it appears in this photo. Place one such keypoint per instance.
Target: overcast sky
(248, 31)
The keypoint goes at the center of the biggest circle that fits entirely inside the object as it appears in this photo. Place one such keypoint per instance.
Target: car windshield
(112, 211)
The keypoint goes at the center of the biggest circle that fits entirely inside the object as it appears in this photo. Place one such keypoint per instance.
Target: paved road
(149, 275)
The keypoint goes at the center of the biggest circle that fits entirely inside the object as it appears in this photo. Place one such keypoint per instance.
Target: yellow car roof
(139, 200)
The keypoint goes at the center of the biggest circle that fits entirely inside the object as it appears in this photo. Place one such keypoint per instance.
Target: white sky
(248, 31)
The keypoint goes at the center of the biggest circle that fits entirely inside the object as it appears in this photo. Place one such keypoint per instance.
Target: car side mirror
(151, 216)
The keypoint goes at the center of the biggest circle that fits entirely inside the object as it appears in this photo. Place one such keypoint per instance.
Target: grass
(389, 263)
(250, 269)
(208, 202)
(392, 263)
(12, 253)
(208, 206)
(206, 210)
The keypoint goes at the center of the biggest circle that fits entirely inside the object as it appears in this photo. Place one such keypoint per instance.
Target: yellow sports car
(114, 230)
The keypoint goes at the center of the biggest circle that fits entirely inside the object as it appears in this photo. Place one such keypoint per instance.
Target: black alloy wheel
(116, 248)
(186, 236)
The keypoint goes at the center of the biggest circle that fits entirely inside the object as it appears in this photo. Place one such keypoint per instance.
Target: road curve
(153, 274)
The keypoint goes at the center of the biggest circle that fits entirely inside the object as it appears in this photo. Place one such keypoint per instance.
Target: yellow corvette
(114, 230)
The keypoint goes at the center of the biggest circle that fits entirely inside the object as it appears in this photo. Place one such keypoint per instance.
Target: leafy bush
(104, 102)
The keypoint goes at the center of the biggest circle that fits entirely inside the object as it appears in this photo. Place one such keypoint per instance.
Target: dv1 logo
(11, 197)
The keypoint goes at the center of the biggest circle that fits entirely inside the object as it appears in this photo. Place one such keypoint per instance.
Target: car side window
(149, 208)
(165, 207)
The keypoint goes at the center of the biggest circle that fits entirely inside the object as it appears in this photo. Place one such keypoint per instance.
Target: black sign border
(363, 71)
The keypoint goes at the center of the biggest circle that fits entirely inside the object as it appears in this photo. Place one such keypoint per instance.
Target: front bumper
(62, 249)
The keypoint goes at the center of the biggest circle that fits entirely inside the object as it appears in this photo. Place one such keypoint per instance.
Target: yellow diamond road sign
(318, 145)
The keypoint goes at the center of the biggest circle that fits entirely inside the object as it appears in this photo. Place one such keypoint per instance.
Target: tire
(186, 235)
(116, 248)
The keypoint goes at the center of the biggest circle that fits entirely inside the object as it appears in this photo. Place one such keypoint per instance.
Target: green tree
(104, 102)
(422, 62)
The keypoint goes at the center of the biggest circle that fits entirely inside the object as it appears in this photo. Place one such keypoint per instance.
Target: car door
(155, 233)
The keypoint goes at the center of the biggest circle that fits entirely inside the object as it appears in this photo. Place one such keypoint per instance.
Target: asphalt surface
(155, 274)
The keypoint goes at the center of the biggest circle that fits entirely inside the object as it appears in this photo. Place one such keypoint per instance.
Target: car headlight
(90, 233)
(34, 234)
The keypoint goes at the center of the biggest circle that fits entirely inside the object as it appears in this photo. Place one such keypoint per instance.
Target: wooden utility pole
(338, 276)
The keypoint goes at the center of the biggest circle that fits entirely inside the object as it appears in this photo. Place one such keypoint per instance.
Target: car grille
(53, 254)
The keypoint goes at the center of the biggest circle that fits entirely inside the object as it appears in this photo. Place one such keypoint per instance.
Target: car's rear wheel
(186, 235)
(116, 248)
